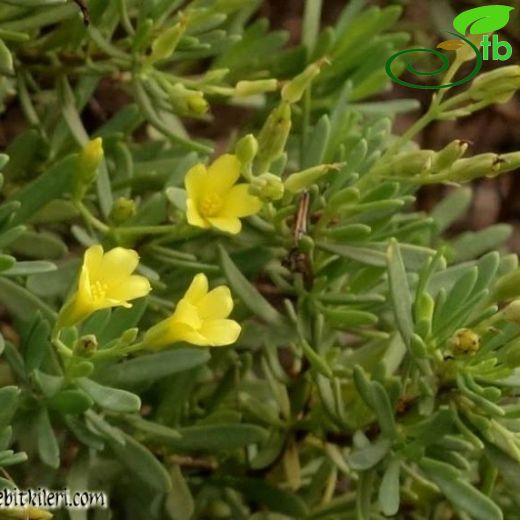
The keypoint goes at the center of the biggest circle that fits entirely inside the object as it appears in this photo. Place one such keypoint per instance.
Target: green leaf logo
(482, 20)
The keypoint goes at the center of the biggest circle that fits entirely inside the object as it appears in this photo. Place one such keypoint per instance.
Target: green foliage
(378, 366)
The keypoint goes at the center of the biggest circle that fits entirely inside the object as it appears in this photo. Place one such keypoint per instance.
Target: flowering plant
(263, 326)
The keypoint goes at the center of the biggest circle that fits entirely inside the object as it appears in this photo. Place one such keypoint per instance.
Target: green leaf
(8, 404)
(481, 20)
(389, 494)
(152, 367)
(217, 437)
(179, 502)
(111, 399)
(21, 302)
(400, 292)
(48, 448)
(318, 141)
(365, 458)
(459, 492)
(473, 244)
(265, 494)
(29, 268)
(37, 346)
(246, 291)
(452, 207)
(71, 402)
(52, 184)
(142, 464)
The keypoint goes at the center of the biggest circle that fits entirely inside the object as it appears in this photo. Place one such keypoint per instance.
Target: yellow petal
(195, 180)
(239, 203)
(93, 258)
(197, 289)
(168, 332)
(222, 174)
(193, 216)
(220, 332)
(187, 313)
(227, 224)
(217, 304)
(117, 264)
(133, 287)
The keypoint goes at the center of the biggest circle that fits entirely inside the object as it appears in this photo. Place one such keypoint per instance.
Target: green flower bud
(508, 162)
(186, 101)
(465, 341)
(122, 210)
(88, 163)
(274, 134)
(166, 43)
(267, 187)
(86, 346)
(250, 88)
(512, 312)
(129, 336)
(246, 149)
(301, 180)
(447, 156)
(293, 91)
(197, 104)
(497, 86)
(483, 165)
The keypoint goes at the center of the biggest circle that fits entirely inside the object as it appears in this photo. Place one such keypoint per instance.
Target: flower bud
(197, 104)
(483, 165)
(166, 43)
(122, 210)
(508, 162)
(416, 162)
(300, 180)
(88, 163)
(465, 341)
(86, 346)
(293, 91)
(447, 156)
(267, 187)
(250, 88)
(186, 101)
(274, 134)
(512, 312)
(246, 149)
(497, 86)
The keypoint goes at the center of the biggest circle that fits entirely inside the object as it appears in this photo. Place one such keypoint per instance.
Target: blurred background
(495, 129)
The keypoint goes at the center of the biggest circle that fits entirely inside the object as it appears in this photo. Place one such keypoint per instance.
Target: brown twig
(84, 11)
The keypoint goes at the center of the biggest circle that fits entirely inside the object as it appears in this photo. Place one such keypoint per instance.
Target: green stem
(90, 218)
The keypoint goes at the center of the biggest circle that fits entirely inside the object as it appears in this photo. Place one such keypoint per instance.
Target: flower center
(98, 291)
(210, 205)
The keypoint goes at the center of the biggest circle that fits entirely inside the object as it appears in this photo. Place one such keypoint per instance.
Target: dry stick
(84, 10)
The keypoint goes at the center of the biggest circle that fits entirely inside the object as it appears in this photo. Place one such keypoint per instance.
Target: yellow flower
(199, 319)
(214, 198)
(106, 280)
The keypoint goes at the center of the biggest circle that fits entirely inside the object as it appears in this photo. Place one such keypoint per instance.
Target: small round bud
(122, 210)
(197, 104)
(246, 149)
(512, 312)
(88, 163)
(86, 346)
(267, 187)
(465, 341)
